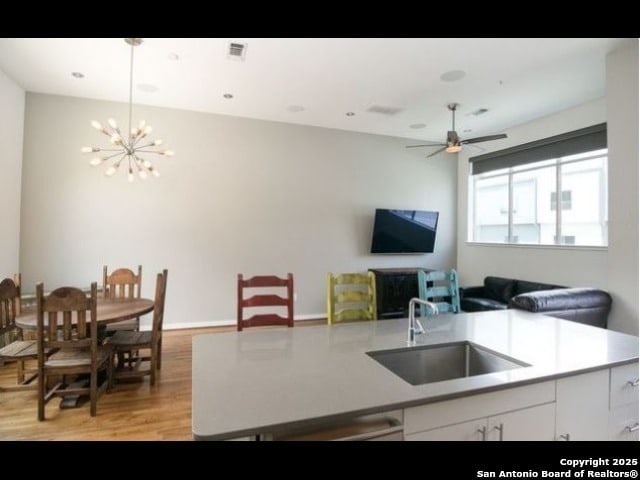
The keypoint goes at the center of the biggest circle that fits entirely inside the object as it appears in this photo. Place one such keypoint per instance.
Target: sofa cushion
(478, 304)
(523, 286)
(499, 289)
(590, 306)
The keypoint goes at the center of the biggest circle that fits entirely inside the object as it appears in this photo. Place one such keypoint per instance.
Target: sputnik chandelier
(127, 148)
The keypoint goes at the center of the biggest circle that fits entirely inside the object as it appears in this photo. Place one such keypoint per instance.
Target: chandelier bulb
(141, 124)
(97, 125)
(142, 174)
(110, 171)
(155, 172)
(157, 142)
(89, 149)
(168, 153)
(116, 139)
(96, 161)
(146, 164)
(130, 176)
(112, 123)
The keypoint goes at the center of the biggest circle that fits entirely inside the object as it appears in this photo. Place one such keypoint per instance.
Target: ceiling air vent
(237, 51)
(384, 109)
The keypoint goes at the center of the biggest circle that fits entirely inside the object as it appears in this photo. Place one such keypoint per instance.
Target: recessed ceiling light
(350, 114)
(417, 125)
(227, 96)
(147, 87)
(77, 74)
(295, 108)
(452, 75)
(173, 56)
(467, 130)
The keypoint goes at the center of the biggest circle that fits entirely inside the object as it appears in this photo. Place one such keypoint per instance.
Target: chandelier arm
(111, 156)
(117, 163)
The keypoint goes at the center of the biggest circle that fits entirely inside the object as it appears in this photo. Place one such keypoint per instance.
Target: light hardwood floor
(133, 411)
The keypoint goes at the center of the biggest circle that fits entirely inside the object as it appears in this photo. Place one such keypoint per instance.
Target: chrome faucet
(415, 328)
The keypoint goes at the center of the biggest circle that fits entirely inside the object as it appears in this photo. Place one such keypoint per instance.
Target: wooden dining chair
(18, 349)
(67, 323)
(351, 296)
(122, 283)
(135, 342)
(265, 300)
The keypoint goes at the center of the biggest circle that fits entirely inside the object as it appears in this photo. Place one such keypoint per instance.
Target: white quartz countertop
(262, 380)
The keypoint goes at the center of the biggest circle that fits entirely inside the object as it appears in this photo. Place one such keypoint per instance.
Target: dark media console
(394, 288)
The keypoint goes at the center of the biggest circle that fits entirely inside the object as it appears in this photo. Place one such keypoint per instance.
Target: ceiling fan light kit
(454, 143)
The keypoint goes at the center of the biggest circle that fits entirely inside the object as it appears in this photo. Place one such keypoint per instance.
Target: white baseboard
(221, 323)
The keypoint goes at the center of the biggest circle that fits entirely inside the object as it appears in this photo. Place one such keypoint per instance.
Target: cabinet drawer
(623, 423)
(448, 412)
(475, 430)
(624, 385)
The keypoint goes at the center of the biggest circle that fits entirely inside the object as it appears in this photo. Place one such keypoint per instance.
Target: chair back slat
(351, 296)
(265, 300)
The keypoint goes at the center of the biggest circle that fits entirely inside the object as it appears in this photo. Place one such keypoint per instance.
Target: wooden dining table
(108, 310)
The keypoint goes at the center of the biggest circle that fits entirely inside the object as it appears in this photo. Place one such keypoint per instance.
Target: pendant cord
(130, 91)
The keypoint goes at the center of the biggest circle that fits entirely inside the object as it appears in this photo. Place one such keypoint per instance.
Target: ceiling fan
(454, 143)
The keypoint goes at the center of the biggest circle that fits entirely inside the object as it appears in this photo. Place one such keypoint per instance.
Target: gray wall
(622, 113)
(614, 268)
(240, 195)
(12, 101)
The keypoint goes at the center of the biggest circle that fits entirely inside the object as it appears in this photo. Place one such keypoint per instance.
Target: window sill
(536, 246)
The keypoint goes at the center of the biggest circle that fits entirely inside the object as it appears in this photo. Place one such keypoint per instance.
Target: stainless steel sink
(445, 361)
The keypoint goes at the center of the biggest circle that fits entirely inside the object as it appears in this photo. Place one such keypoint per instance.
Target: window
(519, 204)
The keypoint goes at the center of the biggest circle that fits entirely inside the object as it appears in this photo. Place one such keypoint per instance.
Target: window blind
(569, 143)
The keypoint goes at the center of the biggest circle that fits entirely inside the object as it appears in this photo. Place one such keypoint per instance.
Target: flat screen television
(404, 231)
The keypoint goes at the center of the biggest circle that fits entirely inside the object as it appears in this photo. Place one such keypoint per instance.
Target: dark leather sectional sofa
(585, 305)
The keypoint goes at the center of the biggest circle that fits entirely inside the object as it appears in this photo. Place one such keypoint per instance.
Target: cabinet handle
(633, 383)
(632, 428)
(483, 431)
(500, 429)
(566, 437)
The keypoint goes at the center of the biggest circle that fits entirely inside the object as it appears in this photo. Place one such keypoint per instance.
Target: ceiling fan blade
(426, 145)
(485, 139)
(474, 147)
(436, 152)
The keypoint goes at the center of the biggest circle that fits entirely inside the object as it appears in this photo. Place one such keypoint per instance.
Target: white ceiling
(518, 80)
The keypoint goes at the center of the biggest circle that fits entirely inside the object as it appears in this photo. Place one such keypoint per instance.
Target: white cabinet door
(623, 423)
(582, 407)
(475, 430)
(534, 423)
(623, 416)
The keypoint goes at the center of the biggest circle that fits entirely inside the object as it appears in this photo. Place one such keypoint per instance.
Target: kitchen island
(271, 381)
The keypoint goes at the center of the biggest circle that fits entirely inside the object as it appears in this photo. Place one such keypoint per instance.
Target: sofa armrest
(585, 305)
(475, 291)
